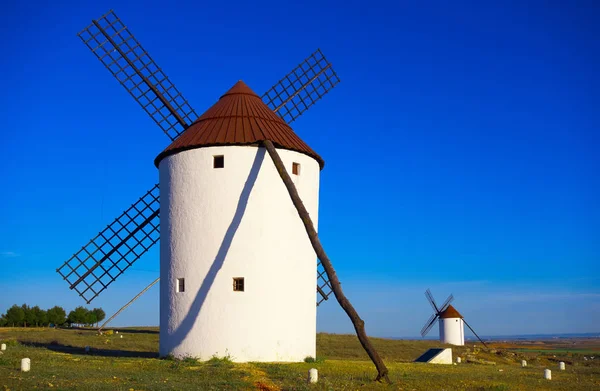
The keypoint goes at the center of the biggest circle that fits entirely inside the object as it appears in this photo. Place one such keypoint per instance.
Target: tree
(90, 318)
(99, 314)
(19, 316)
(71, 318)
(29, 315)
(78, 316)
(40, 316)
(15, 316)
(57, 316)
(359, 324)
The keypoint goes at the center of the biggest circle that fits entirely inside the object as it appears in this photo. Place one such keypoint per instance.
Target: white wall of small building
(236, 221)
(443, 357)
(452, 331)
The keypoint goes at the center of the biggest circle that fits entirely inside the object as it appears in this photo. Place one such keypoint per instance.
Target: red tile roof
(239, 117)
(450, 312)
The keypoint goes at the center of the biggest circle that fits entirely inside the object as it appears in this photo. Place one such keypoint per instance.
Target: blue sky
(461, 149)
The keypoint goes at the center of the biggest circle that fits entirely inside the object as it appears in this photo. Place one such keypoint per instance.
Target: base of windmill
(436, 356)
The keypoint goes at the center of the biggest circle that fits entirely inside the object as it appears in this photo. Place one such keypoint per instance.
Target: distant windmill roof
(450, 312)
(239, 117)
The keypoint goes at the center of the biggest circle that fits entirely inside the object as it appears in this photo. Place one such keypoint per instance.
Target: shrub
(310, 359)
(224, 361)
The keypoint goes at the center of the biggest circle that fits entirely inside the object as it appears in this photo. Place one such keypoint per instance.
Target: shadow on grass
(133, 331)
(119, 329)
(58, 347)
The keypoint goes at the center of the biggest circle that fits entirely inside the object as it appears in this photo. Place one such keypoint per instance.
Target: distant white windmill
(451, 322)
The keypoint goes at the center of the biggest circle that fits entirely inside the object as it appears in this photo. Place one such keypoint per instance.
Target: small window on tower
(180, 285)
(219, 161)
(296, 168)
(238, 284)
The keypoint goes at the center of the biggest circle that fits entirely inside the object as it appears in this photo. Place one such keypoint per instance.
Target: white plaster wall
(444, 357)
(452, 331)
(236, 221)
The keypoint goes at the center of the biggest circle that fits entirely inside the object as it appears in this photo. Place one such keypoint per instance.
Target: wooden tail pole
(359, 324)
(473, 331)
(128, 304)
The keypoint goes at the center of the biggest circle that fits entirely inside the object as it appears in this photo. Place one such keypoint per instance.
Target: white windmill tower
(237, 269)
(452, 327)
(451, 322)
(238, 254)
(239, 275)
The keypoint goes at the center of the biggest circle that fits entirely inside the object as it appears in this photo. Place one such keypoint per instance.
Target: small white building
(238, 272)
(452, 327)
(437, 356)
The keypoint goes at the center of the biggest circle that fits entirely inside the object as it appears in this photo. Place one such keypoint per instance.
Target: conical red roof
(450, 312)
(239, 117)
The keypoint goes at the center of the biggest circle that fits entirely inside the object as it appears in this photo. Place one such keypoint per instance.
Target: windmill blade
(446, 303)
(431, 301)
(91, 270)
(428, 325)
(324, 288)
(302, 87)
(114, 45)
(128, 304)
(473, 331)
(100, 262)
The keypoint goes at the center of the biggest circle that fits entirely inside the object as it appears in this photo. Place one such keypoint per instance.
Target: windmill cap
(450, 312)
(240, 88)
(239, 117)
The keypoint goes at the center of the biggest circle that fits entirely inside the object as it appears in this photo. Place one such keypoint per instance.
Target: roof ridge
(239, 117)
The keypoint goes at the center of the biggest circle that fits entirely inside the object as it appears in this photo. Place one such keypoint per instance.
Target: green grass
(559, 351)
(59, 362)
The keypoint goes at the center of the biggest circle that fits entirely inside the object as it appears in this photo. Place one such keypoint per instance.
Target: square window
(296, 168)
(218, 161)
(238, 284)
(180, 285)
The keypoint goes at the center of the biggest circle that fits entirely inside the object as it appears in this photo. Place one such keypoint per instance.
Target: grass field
(59, 362)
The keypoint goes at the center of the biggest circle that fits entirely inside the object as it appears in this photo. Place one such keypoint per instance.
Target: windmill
(451, 322)
(202, 222)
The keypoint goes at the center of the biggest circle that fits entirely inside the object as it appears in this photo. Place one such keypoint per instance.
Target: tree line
(26, 316)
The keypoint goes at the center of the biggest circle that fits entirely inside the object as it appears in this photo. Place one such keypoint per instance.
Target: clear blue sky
(461, 149)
